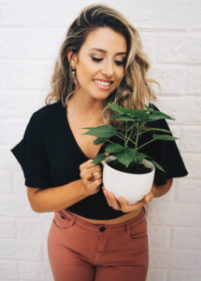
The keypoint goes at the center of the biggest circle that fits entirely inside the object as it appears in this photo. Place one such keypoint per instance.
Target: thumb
(107, 154)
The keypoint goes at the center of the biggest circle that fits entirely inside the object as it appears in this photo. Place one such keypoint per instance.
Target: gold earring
(73, 74)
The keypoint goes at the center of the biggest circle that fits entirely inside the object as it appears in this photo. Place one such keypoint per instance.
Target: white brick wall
(31, 33)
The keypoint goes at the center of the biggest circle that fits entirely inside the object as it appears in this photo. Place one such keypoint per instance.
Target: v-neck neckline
(64, 109)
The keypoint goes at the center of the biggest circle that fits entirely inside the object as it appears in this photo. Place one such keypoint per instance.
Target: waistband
(72, 218)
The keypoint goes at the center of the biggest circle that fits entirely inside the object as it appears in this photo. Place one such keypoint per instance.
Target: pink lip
(102, 86)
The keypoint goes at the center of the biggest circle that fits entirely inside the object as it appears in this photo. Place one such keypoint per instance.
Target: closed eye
(117, 62)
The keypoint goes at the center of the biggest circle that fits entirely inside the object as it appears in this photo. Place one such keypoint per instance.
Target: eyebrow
(103, 51)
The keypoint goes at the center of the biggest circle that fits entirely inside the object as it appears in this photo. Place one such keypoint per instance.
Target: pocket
(139, 231)
(60, 221)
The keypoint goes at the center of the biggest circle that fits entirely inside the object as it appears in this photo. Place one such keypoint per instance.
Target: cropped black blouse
(50, 156)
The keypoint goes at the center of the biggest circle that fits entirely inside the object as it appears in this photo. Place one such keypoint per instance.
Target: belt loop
(71, 222)
(128, 227)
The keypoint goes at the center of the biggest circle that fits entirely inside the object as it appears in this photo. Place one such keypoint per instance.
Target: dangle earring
(74, 76)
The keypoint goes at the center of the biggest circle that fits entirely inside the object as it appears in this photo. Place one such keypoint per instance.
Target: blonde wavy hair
(134, 88)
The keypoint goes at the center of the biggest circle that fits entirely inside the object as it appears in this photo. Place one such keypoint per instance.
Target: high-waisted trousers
(82, 251)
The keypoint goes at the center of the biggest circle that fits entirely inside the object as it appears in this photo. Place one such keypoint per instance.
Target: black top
(50, 156)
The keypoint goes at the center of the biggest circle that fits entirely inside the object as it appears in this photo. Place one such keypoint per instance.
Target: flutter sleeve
(167, 155)
(31, 155)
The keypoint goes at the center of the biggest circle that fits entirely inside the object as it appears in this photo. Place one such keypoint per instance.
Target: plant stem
(121, 136)
(146, 143)
(145, 131)
(137, 137)
(132, 126)
(126, 135)
(131, 131)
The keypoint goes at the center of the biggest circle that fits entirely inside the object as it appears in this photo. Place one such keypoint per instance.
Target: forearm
(160, 190)
(58, 198)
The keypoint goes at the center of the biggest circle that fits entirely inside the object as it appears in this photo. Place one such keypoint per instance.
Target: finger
(90, 177)
(134, 207)
(115, 204)
(149, 196)
(107, 196)
(126, 208)
(88, 164)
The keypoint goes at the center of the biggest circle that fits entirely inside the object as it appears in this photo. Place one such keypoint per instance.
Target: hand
(91, 175)
(121, 204)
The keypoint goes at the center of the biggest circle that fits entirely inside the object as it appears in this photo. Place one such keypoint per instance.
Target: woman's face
(101, 59)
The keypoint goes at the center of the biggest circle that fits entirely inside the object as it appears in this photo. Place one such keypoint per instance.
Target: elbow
(170, 182)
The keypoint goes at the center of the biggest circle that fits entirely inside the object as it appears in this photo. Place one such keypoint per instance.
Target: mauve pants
(82, 251)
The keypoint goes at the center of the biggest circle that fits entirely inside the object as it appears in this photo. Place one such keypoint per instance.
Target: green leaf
(148, 108)
(100, 140)
(115, 115)
(156, 129)
(150, 118)
(157, 165)
(164, 137)
(159, 113)
(140, 157)
(104, 131)
(126, 156)
(123, 110)
(100, 157)
(118, 108)
(113, 148)
(125, 117)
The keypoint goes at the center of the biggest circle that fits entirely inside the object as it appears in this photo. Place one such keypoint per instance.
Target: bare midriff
(124, 218)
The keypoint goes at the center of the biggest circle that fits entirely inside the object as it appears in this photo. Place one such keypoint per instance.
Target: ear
(72, 58)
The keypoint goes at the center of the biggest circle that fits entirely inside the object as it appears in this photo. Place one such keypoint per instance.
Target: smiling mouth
(102, 82)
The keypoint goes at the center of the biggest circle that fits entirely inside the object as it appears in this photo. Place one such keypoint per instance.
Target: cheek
(86, 73)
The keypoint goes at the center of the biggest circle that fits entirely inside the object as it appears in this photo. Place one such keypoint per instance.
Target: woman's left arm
(160, 190)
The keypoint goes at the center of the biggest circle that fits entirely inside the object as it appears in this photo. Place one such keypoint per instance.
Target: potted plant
(127, 173)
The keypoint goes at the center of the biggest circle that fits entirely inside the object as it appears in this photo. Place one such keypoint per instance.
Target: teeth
(103, 83)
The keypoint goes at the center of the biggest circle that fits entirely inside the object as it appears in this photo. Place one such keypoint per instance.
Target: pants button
(102, 228)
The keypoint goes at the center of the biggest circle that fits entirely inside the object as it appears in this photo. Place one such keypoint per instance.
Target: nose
(107, 69)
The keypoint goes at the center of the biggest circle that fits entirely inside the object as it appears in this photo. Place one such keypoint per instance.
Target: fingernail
(148, 198)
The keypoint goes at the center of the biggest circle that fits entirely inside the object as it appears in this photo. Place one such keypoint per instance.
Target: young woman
(93, 236)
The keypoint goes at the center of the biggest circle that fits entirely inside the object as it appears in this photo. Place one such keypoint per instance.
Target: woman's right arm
(58, 198)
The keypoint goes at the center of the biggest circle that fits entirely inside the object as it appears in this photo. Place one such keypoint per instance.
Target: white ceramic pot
(132, 187)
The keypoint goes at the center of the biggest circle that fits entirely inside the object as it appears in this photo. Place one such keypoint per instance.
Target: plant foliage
(135, 118)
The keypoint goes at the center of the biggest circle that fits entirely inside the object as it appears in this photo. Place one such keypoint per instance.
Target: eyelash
(98, 60)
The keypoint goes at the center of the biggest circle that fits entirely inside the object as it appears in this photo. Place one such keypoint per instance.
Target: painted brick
(179, 48)
(172, 258)
(33, 228)
(5, 182)
(9, 270)
(35, 271)
(184, 276)
(190, 138)
(173, 214)
(186, 238)
(7, 228)
(31, 13)
(20, 250)
(188, 191)
(194, 81)
(15, 43)
(170, 78)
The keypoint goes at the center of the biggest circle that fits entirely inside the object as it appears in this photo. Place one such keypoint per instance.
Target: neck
(86, 109)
